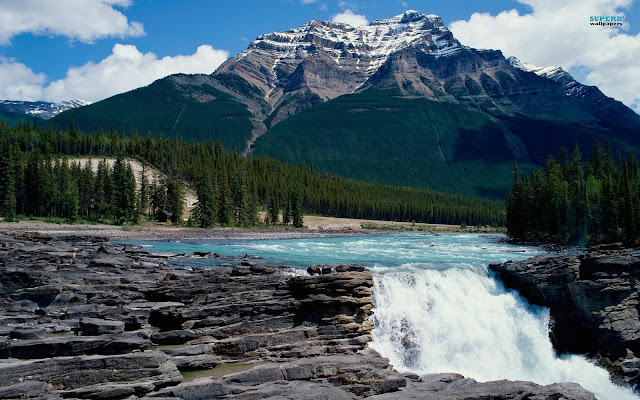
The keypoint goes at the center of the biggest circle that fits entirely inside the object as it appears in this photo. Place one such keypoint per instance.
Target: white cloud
(348, 17)
(308, 1)
(82, 20)
(19, 82)
(558, 32)
(125, 69)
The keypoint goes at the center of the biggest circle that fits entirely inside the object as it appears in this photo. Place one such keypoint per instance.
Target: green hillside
(379, 137)
(36, 180)
(166, 108)
(12, 118)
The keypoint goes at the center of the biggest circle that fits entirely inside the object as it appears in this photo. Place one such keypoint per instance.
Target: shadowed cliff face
(593, 300)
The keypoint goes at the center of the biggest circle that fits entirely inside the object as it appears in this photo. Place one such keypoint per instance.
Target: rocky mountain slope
(427, 107)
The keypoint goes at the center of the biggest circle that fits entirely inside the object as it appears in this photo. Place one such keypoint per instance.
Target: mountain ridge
(412, 57)
(41, 109)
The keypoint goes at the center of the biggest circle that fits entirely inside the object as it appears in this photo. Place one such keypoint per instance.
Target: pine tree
(130, 200)
(120, 200)
(274, 211)
(144, 193)
(35, 184)
(205, 209)
(515, 206)
(175, 196)
(296, 211)
(102, 200)
(224, 201)
(241, 198)
(158, 196)
(7, 184)
(286, 213)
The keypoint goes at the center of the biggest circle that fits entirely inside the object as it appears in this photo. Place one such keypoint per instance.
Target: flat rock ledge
(593, 300)
(83, 318)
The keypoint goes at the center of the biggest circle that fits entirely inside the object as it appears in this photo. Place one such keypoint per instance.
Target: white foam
(461, 320)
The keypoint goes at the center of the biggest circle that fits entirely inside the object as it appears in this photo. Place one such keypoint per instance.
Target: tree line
(571, 200)
(230, 188)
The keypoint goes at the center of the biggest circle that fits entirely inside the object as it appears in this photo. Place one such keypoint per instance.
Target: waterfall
(459, 319)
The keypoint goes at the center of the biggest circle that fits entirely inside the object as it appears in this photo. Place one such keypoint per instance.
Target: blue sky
(40, 44)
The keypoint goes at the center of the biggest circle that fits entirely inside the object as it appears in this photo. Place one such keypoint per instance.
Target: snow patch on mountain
(41, 109)
(555, 73)
(369, 46)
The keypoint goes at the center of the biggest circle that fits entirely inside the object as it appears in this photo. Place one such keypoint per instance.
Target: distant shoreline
(316, 227)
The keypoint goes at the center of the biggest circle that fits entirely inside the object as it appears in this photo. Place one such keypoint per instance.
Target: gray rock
(23, 390)
(198, 389)
(74, 345)
(174, 337)
(95, 326)
(27, 333)
(194, 362)
(69, 373)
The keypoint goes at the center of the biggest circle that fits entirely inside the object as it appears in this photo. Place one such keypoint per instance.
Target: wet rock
(594, 302)
(174, 337)
(74, 345)
(24, 390)
(263, 270)
(28, 333)
(69, 373)
(457, 387)
(198, 389)
(195, 362)
(95, 326)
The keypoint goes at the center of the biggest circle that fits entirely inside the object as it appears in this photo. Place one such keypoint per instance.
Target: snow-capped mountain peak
(363, 48)
(555, 73)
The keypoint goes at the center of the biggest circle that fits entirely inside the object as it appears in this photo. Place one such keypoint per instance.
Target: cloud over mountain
(126, 68)
(560, 33)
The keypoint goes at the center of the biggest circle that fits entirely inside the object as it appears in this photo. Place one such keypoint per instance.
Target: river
(437, 307)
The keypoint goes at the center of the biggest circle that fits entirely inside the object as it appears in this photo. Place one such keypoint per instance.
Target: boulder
(27, 333)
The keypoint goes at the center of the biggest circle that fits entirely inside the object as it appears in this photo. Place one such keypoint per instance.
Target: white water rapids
(461, 320)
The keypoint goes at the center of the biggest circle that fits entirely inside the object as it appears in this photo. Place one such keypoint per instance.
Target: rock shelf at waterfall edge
(593, 299)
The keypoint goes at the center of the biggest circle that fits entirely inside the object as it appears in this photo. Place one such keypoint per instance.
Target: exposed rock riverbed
(81, 317)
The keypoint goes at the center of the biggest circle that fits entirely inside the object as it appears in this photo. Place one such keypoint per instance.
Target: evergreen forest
(571, 200)
(38, 179)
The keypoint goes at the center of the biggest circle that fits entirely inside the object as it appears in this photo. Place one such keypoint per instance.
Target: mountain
(398, 101)
(16, 109)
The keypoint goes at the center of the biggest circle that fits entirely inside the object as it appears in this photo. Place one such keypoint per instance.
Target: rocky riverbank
(594, 302)
(81, 317)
